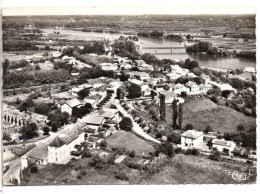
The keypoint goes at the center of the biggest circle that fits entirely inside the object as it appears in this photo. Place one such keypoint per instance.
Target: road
(136, 128)
(15, 165)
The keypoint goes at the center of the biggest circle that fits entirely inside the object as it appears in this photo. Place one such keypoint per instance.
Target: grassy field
(188, 169)
(130, 142)
(183, 169)
(202, 112)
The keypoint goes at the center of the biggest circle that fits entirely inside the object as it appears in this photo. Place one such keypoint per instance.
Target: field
(183, 169)
(202, 112)
(231, 44)
(187, 169)
(130, 142)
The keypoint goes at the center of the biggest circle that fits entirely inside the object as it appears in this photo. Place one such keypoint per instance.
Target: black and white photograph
(128, 96)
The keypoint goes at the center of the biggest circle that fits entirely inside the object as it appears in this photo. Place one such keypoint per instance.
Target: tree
(225, 94)
(153, 94)
(226, 151)
(208, 129)
(165, 148)
(28, 131)
(240, 127)
(180, 117)
(174, 113)
(189, 126)
(83, 93)
(126, 124)
(5, 65)
(132, 154)
(54, 126)
(134, 91)
(162, 107)
(174, 137)
(37, 68)
(33, 169)
(46, 130)
(42, 108)
(215, 155)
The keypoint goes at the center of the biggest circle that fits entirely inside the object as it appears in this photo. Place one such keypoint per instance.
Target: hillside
(202, 112)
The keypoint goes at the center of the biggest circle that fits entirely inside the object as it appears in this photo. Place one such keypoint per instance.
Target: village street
(136, 128)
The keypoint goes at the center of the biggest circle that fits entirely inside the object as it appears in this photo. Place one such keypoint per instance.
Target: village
(100, 110)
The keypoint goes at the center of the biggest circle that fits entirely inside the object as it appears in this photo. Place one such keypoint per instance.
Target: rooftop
(94, 120)
(193, 134)
(222, 142)
(57, 142)
(40, 151)
(74, 102)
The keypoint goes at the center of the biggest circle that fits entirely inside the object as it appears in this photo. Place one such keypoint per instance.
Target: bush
(86, 154)
(46, 130)
(132, 154)
(215, 155)
(189, 126)
(178, 150)
(103, 144)
(126, 124)
(33, 169)
(121, 175)
(120, 150)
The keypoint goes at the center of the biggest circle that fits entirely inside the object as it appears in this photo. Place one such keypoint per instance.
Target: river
(180, 54)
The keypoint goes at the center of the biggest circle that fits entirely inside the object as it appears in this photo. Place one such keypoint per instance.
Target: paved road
(136, 128)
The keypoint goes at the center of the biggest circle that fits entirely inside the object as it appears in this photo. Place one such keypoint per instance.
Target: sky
(132, 7)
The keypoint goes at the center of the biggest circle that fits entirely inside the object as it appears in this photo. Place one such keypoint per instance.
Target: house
(55, 54)
(70, 104)
(191, 138)
(249, 70)
(93, 99)
(94, 121)
(38, 155)
(204, 88)
(179, 88)
(139, 75)
(108, 66)
(61, 146)
(145, 67)
(75, 75)
(192, 75)
(75, 91)
(173, 75)
(193, 87)
(109, 114)
(221, 144)
(96, 82)
(125, 66)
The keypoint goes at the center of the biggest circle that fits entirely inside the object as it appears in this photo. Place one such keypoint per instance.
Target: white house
(109, 66)
(191, 138)
(93, 99)
(220, 144)
(170, 96)
(61, 146)
(38, 155)
(94, 121)
(70, 104)
(109, 114)
(173, 75)
(145, 67)
(204, 88)
(249, 70)
(179, 88)
(193, 87)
